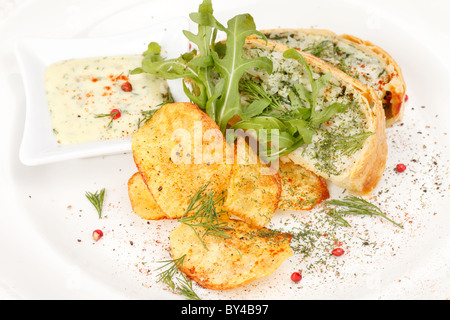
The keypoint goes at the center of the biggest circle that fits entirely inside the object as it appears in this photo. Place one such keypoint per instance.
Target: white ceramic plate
(47, 251)
(39, 145)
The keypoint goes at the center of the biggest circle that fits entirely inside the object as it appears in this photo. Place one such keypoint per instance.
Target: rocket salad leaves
(220, 99)
(212, 80)
(297, 124)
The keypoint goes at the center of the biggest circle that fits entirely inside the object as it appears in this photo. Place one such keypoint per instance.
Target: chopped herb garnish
(97, 200)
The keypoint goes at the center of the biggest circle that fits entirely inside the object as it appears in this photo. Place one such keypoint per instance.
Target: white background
(30, 266)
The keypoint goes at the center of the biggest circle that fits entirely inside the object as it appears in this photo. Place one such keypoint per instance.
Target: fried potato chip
(177, 151)
(246, 254)
(142, 201)
(301, 188)
(253, 194)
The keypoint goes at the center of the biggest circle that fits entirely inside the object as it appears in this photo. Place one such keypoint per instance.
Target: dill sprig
(105, 115)
(97, 200)
(317, 49)
(171, 269)
(148, 114)
(202, 213)
(354, 205)
(337, 218)
(255, 92)
(350, 144)
(186, 289)
(177, 282)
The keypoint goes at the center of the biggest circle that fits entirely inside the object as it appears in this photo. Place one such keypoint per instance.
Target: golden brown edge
(130, 183)
(190, 272)
(396, 86)
(189, 105)
(324, 192)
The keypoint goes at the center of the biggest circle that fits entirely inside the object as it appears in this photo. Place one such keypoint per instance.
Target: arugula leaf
(316, 87)
(303, 128)
(233, 66)
(262, 122)
(179, 68)
(220, 98)
(204, 39)
(298, 122)
(255, 108)
(212, 80)
(326, 114)
(272, 134)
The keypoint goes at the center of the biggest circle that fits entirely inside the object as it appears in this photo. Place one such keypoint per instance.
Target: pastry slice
(350, 148)
(362, 60)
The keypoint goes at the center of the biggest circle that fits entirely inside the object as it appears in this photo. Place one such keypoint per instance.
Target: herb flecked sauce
(79, 90)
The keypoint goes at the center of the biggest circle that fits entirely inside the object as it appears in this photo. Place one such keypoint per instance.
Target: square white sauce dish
(75, 88)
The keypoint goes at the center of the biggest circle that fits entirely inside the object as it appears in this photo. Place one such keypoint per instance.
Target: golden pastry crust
(393, 91)
(367, 169)
(396, 86)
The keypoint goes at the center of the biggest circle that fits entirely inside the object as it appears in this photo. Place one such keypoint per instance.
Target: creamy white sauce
(80, 90)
